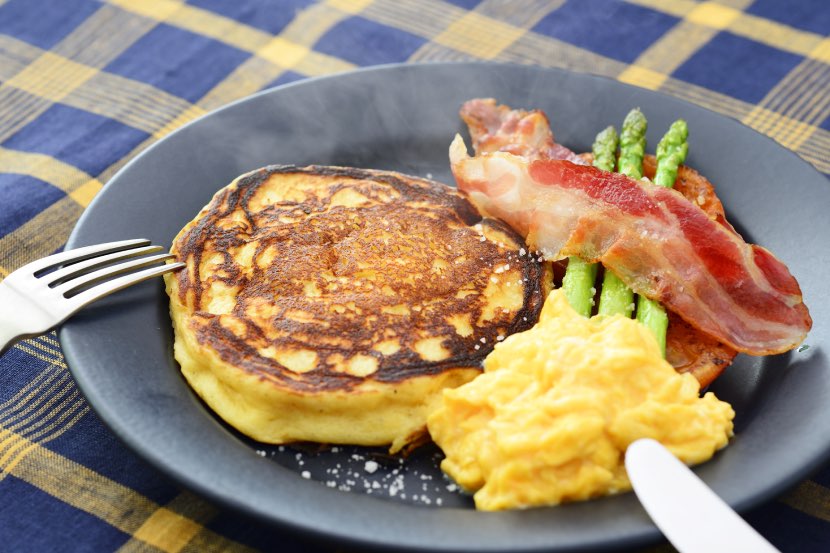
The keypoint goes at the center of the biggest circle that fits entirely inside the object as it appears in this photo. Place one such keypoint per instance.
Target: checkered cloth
(85, 86)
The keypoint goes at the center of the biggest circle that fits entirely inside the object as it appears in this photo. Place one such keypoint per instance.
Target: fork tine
(110, 271)
(104, 289)
(79, 254)
(77, 269)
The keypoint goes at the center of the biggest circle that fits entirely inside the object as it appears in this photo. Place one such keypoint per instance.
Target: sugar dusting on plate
(415, 479)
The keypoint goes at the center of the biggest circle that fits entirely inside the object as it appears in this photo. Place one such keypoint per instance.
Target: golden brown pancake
(333, 305)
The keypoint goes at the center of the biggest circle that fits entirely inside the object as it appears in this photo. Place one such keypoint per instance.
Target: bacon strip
(498, 128)
(660, 244)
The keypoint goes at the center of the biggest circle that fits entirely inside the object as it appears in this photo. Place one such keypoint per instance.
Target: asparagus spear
(671, 152)
(578, 282)
(615, 296)
(633, 144)
(604, 149)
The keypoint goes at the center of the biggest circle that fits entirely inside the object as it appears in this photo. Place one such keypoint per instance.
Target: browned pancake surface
(317, 278)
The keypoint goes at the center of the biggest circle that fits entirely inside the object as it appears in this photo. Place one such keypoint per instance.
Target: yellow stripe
(425, 19)
(290, 50)
(528, 14)
(283, 53)
(479, 35)
(653, 66)
(50, 347)
(199, 21)
(205, 540)
(677, 8)
(80, 186)
(810, 498)
(15, 55)
(787, 91)
(133, 103)
(217, 27)
(17, 109)
(51, 77)
(50, 339)
(813, 94)
(801, 101)
(775, 34)
(26, 347)
(84, 489)
(103, 36)
(312, 23)
(26, 447)
(26, 421)
(90, 492)
(167, 530)
(186, 116)
(822, 51)
(40, 235)
(352, 7)
(643, 77)
(815, 151)
(35, 387)
(718, 16)
(18, 445)
(710, 99)
(152, 9)
(317, 64)
(715, 16)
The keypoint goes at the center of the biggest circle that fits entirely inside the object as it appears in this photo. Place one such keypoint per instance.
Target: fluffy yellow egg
(551, 417)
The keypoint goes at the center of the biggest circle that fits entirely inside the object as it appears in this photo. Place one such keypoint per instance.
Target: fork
(46, 292)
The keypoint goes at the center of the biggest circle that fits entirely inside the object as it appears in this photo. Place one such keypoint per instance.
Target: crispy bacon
(688, 349)
(659, 243)
(498, 128)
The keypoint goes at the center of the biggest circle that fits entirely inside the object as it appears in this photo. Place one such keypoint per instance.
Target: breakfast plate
(403, 118)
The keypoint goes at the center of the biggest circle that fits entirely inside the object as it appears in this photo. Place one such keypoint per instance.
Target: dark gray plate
(403, 118)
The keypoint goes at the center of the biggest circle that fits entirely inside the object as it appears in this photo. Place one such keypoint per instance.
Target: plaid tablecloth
(85, 86)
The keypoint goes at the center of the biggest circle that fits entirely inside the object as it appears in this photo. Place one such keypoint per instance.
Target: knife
(669, 491)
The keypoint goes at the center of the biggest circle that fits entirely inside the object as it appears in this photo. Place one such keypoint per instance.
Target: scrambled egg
(551, 417)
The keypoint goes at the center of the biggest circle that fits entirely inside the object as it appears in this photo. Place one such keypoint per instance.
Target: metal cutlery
(44, 293)
(669, 491)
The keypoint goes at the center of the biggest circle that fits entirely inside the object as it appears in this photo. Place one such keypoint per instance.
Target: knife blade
(669, 491)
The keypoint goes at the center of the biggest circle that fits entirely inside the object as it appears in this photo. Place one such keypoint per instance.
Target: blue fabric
(88, 141)
(79, 531)
(615, 29)
(268, 16)
(86, 85)
(41, 22)
(365, 42)
(809, 15)
(178, 61)
(731, 64)
(24, 197)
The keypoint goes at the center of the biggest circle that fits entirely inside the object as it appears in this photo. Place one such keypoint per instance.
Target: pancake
(333, 305)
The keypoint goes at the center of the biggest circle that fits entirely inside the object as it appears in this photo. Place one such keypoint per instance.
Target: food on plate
(551, 417)
(660, 244)
(496, 127)
(333, 305)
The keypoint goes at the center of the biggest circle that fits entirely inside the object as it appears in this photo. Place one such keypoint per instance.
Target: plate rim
(641, 537)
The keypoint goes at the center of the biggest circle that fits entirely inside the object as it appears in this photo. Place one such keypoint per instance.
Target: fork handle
(10, 331)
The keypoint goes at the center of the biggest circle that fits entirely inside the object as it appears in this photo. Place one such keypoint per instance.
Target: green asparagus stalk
(580, 276)
(671, 152)
(633, 144)
(604, 149)
(616, 297)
